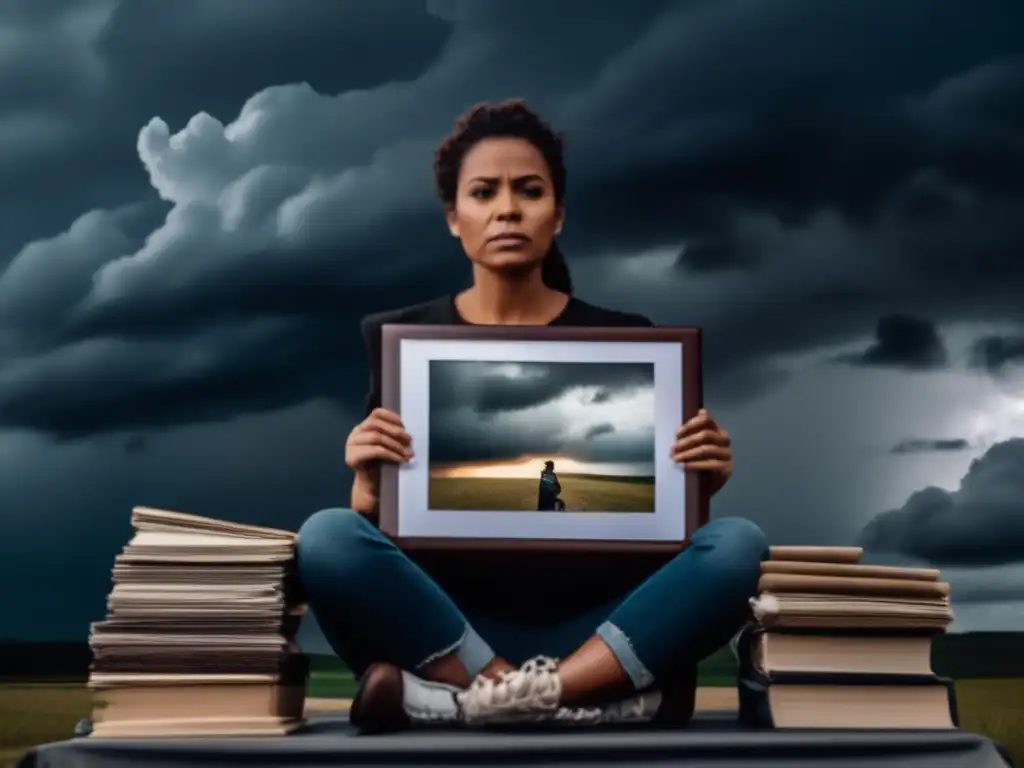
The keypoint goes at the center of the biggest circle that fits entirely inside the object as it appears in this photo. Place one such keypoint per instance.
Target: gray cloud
(713, 256)
(981, 523)
(488, 411)
(81, 77)
(922, 445)
(599, 429)
(994, 353)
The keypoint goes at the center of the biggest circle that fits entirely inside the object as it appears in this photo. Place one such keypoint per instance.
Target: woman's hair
(506, 119)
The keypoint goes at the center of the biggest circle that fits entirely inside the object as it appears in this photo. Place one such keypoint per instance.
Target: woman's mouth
(508, 238)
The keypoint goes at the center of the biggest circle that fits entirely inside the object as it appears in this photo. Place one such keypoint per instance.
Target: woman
(433, 643)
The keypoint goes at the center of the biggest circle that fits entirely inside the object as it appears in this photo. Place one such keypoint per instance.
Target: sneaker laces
(534, 688)
(532, 693)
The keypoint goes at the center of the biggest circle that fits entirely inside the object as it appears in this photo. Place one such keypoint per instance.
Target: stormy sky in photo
(200, 199)
(590, 418)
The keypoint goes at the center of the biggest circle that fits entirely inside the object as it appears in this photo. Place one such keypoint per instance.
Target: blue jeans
(375, 604)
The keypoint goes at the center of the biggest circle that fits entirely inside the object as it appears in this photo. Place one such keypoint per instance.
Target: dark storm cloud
(81, 77)
(597, 430)
(117, 381)
(490, 388)
(798, 131)
(94, 72)
(981, 523)
(920, 445)
(994, 353)
(902, 341)
(294, 209)
(714, 255)
(492, 411)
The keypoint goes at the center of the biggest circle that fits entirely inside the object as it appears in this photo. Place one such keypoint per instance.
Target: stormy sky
(594, 413)
(200, 199)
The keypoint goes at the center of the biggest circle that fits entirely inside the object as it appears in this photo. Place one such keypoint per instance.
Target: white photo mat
(415, 519)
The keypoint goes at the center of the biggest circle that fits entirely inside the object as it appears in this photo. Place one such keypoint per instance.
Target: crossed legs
(374, 604)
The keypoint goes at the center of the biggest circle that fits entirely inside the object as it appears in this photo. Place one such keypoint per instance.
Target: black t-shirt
(536, 588)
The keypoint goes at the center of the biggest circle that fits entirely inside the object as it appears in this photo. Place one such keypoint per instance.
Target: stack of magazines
(838, 644)
(199, 633)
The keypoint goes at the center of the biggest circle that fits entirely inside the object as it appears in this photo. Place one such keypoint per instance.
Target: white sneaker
(426, 702)
(391, 699)
(531, 694)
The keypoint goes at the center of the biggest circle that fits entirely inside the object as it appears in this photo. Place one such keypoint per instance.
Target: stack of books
(838, 644)
(199, 633)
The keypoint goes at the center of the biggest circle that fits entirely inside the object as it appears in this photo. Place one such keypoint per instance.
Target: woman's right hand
(381, 436)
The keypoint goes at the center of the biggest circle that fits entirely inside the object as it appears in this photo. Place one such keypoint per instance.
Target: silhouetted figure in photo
(547, 495)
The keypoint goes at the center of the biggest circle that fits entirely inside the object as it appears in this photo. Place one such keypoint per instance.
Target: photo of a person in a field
(498, 430)
(547, 495)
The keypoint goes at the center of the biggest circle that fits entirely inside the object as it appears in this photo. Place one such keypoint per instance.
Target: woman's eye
(481, 193)
(533, 192)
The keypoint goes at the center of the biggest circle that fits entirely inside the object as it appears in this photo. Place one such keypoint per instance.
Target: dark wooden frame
(696, 502)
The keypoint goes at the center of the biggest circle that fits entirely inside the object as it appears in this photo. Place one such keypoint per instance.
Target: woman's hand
(379, 437)
(704, 446)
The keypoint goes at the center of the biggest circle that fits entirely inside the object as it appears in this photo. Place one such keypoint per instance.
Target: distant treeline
(44, 661)
(969, 655)
(644, 479)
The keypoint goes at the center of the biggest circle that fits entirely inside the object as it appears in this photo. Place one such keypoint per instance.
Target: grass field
(579, 492)
(38, 713)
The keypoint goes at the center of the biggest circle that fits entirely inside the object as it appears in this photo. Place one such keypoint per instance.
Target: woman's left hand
(704, 446)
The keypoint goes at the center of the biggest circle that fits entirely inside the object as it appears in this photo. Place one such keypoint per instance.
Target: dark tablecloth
(711, 740)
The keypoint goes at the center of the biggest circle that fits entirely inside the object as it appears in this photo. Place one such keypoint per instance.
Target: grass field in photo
(581, 493)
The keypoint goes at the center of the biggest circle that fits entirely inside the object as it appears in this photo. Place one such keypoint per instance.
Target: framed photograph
(543, 438)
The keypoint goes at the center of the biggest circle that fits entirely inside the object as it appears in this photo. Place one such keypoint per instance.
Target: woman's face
(505, 212)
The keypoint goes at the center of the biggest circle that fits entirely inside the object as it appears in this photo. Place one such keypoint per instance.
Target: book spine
(782, 583)
(849, 678)
(850, 631)
(755, 709)
(293, 667)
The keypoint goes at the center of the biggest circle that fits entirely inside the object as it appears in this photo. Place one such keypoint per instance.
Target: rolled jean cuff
(474, 653)
(622, 649)
(470, 649)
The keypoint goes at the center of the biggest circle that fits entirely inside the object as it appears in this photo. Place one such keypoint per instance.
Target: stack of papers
(199, 633)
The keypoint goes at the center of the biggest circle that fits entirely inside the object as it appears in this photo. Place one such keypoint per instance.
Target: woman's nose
(507, 205)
